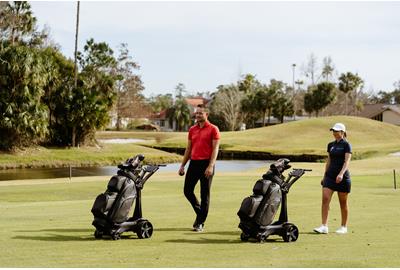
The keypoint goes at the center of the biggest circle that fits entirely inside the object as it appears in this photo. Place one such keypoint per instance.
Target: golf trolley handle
(293, 177)
(146, 172)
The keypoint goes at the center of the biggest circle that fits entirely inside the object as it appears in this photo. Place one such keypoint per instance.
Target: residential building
(161, 118)
(388, 113)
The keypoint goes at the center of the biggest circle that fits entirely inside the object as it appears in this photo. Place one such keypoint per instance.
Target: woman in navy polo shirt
(336, 178)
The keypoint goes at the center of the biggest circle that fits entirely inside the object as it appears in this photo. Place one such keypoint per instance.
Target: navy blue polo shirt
(337, 151)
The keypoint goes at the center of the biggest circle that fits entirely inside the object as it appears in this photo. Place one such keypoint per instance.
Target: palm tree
(283, 106)
(327, 68)
(349, 82)
(23, 118)
(265, 97)
(181, 114)
(248, 84)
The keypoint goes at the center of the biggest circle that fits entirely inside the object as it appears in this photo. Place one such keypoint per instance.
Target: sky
(208, 43)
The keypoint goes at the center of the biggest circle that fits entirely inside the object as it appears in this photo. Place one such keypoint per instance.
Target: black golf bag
(258, 211)
(111, 208)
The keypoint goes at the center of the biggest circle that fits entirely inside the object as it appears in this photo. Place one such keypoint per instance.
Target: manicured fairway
(47, 223)
(310, 136)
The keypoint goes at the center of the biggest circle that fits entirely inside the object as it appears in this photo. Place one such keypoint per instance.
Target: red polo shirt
(201, 139)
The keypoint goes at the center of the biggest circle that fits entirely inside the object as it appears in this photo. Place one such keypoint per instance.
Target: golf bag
(111, 208)
(257, 212)
(263, 204)
(116, 202)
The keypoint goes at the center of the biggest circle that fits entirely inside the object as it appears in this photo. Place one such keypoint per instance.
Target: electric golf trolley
(111, 208)
(257, 211)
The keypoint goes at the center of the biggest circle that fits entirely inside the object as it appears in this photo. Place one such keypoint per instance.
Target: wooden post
(70, 172)
(394, 178)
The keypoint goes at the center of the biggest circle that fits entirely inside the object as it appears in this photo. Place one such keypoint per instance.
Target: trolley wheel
(261, 238)
(98, 234)
(145, 229)
(244, 237)
(115, 236)
(290, 233)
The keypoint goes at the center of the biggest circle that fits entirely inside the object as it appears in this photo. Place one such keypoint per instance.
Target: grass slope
(109, 154)
(48, 224)
(144, 135)
(369, 138)
(310, 136)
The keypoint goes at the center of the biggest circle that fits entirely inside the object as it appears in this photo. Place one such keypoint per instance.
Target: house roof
(372, 110)
(159, 115)
(192, 102)
(196, 101)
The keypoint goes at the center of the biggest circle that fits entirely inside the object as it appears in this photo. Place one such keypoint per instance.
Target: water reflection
(47, 173)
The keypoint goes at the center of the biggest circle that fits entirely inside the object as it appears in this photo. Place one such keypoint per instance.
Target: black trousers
(195, 173)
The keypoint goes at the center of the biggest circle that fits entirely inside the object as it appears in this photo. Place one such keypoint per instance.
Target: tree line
(250, 102)
(41, 101)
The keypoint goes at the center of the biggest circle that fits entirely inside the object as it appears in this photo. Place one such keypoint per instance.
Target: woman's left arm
(347, 157)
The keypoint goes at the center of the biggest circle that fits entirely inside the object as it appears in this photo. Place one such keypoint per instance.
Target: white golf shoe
(342, 230)
(322, 229)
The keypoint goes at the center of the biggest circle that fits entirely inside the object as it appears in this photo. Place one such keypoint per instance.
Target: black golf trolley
(111, 208)
(257, 211)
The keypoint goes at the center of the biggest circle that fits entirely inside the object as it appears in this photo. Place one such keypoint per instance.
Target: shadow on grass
(187, 230)
(311, 233)
(205, 241)
(60, 230)
(56, 235)
(171, 229)
(237, 240)
(66, 238)
(127, 235)
(237, 233)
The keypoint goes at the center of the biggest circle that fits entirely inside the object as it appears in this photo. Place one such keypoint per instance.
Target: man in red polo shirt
(202, 150)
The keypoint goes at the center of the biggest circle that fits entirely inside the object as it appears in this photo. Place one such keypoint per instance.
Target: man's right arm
(186, 157)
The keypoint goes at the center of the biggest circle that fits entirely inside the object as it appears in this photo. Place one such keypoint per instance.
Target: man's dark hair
(205, 109)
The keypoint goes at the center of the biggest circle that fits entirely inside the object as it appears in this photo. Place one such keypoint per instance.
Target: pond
(120, 141)
(48, 173)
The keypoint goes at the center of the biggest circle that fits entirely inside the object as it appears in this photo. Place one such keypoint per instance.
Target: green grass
(47, 223)
(108, 154)
(368, 137)
(145, 135)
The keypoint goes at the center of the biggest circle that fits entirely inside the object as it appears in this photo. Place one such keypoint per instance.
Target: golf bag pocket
(261, 187)
(269, 206)
(122, 206)
(103, 204)
(121, 210)
(249, 207)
